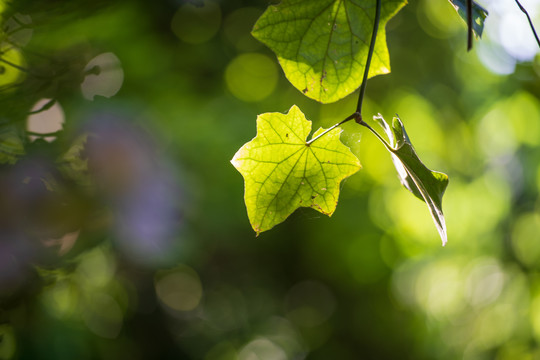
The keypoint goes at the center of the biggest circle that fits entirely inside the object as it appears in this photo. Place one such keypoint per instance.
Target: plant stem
(45, 107)
(530, 22)
(368, 61)
(56, 133)
(353, 116)
(469, 25)
(20, 68)
(357, 115)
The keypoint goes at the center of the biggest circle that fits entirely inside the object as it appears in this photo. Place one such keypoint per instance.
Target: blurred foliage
(123, 233)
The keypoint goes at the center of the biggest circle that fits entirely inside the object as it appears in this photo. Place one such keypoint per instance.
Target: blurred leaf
(11, 145)
(283, 173)
(322, 45)
(74, 163)
(479, 14)
(425, 184)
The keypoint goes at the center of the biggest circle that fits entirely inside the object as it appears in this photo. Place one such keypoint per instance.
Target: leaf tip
(444, 238)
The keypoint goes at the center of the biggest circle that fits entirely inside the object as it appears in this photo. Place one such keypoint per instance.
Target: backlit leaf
(425, 184)
(282, 173)
(322, 45)
(478, 12)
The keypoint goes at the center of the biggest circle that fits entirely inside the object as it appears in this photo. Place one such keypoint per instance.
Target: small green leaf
(425, 184)
(282, 173)
(322, 45)
(479, 14)
(11, 144)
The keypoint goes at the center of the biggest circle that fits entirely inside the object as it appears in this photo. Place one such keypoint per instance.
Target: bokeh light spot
(104, 76)
(494, 325)
(485, 282)
(262, 349)
(96, 268)
(46, 119)
(222, 351)
(12, 61)
(180, 289)
(525, 241)
(103, 316)
(310, 303)
(439, 288)
(438, 19)
(251, 77)
(535, 316)
(196, 24)
(61, 299)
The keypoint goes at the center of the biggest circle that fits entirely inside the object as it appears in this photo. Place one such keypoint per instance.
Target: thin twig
(23, 69)
(56, 133)
(45, 107)
(469, 25)
(383, 140)
(530, 22)
(368, 61)
(353, 116)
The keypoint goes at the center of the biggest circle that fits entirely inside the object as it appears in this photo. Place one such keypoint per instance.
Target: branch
(469, 25)
(530, 22)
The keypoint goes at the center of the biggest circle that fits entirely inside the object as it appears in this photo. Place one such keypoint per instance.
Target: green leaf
(479, 14)
(282, 172)
(322, 45)
(425, 184)
(11, 144)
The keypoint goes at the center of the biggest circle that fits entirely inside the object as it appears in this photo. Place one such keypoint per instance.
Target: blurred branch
(469, 25)
(56, 133)
(21, 68)
(530, 22)
(45, 107)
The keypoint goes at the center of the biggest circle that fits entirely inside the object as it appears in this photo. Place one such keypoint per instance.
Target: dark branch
(530, 22)
(469, 25)
(368, 61)
(357, 115)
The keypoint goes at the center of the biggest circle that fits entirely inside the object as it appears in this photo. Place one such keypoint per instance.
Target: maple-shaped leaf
(425, 184)
(322, 45)
(282, 172)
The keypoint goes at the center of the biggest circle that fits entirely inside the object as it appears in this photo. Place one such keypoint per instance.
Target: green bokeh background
(372, 282)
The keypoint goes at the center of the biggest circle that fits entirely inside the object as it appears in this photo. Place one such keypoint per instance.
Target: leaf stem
(357, 115)
(530, 22)
(383, 140)
(56, 133)
(350, 117)
(368, 61)
(20, 68)
(45, 107)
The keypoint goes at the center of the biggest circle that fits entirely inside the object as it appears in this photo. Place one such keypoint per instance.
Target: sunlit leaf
(322, 45)
(425, 184)
(283, 173)
(478, 12)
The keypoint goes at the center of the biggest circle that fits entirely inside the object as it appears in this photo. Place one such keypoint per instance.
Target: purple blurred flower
(138, 186)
